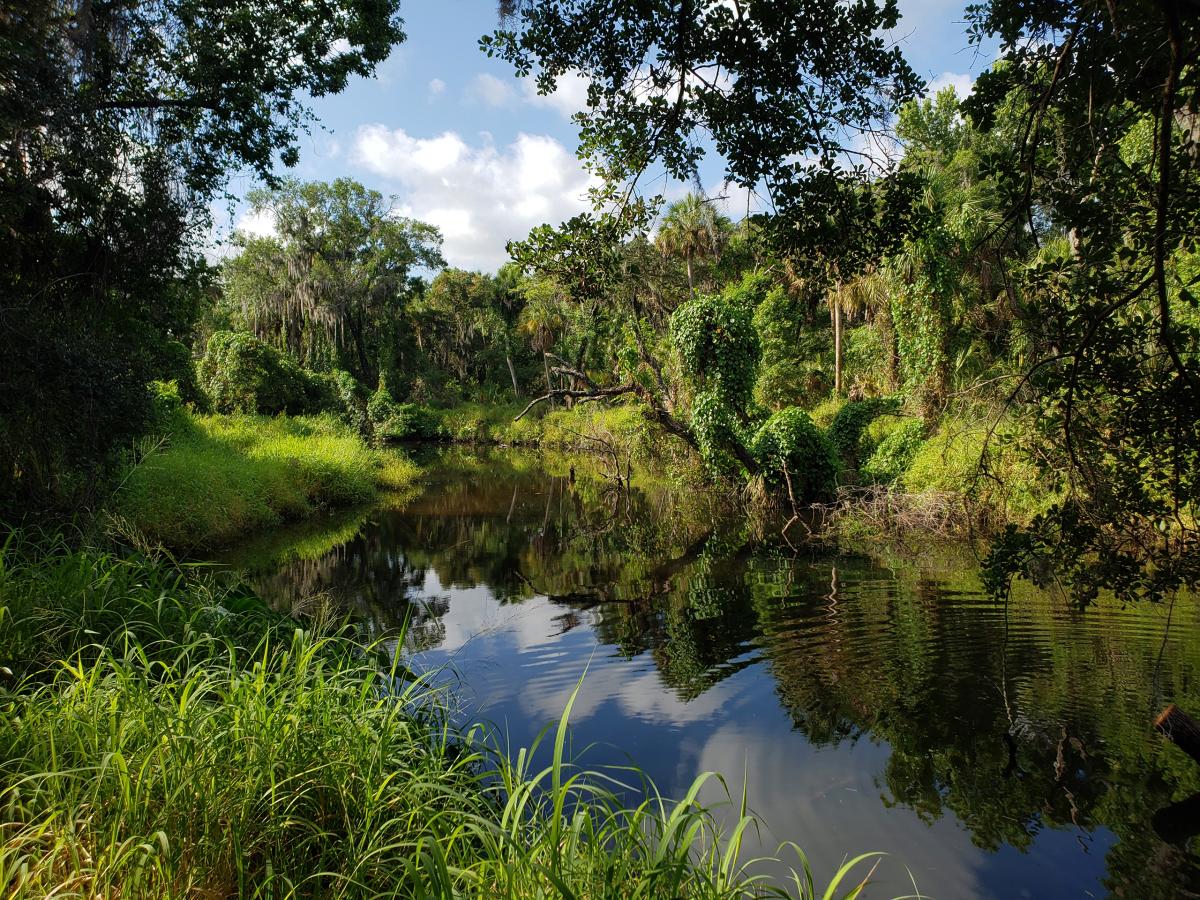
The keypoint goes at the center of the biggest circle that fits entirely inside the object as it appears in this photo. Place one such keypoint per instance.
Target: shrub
(168, 406)
(350, 400)
(403, 421)
(790, 439)
(823, 413)
(381, 406)
(240, 373)
(851, 420)
(949, 462)
(411, 422)
(175, 361)
(894, 453)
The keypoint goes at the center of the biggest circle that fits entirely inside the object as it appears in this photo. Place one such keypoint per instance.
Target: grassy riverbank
(165, 736)
(216, 478)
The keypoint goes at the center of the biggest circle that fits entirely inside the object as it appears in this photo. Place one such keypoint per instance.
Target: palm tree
(866, 293)
(542, 323)
(692, 229)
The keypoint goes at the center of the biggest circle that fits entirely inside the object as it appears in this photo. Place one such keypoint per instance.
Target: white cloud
(437, 87)
(490, 90)
(962, 83)
(569, 97)
(480, 196)
(258, 224)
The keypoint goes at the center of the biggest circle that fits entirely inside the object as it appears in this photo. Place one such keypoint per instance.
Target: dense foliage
(1030, 259)
(120, 123)
(329, 286)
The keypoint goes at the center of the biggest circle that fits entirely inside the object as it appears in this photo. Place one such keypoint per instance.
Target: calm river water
(870, 704)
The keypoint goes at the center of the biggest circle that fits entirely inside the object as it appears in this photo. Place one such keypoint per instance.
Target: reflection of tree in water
(365, 577)
(1049, 728)
(1038, 718)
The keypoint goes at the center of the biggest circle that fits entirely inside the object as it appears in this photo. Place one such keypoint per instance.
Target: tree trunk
(546, 368)
(892, 349)
(837, 348)
(691, 286)
(1181, 729)
(512, 373)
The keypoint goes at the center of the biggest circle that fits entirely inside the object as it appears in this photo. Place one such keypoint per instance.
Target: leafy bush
(175, 361)
(381, 407)
(168, 406)
(822, 414)
(949, 462)
(410, 421)
(790, 440)
(894, 453)
(851, 420)
(350, 400)
(240, 373)
(403, 421)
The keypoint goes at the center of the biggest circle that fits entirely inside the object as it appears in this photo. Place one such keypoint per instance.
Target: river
(871, 702)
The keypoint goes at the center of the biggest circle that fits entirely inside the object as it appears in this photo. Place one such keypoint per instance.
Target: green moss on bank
(217, 478)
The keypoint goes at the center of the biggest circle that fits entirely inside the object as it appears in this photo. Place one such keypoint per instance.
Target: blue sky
(463, 144)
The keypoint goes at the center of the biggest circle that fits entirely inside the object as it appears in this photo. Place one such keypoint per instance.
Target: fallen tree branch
(582, 396)
(654, 409)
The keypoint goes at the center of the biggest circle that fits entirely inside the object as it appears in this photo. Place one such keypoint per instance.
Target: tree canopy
(783, 92)
(331, 282)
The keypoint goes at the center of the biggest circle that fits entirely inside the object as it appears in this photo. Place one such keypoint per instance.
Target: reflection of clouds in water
(525, 661)
(518, 668)
(831, 808)
(475, 613)
(648, 698)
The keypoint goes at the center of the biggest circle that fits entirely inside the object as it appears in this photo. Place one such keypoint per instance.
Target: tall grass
(220, 477)
(174, 739)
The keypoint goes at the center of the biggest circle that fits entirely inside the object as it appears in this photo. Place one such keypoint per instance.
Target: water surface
(994, 750)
